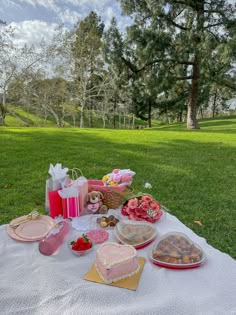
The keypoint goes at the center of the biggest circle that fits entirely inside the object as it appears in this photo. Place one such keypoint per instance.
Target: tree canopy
(176, 60)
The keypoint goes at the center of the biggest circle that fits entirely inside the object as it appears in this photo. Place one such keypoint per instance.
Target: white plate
(34, 230)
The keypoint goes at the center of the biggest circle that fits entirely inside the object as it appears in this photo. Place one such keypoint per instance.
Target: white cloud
(49, 4)
(109, 13)
(68, 16)
(91, 3)
(32, 32)
(11, 4)
(123, 22)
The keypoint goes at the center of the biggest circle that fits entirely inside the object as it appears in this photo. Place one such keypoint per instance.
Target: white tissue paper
(69, 191)
(57, 172)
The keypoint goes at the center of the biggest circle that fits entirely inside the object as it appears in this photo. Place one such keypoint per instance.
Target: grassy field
(192, 172)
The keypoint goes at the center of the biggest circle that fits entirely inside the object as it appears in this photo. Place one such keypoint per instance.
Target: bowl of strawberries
(81, 246)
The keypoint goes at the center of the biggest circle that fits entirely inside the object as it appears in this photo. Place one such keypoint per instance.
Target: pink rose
(139, 211)
(124, 210)
(155, 206)
(145, 206)
(158, 215)
(133, 203)
(147, 198)
(129, 210)
(145, 215)
(133, 216)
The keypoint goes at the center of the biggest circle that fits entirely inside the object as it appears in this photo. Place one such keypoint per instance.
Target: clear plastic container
(136, 233)
(176, 251)
(79, 252)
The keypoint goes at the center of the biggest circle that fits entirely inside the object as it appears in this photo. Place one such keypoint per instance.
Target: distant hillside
(21, 118)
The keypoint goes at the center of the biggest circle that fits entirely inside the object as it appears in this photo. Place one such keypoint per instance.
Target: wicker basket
(113, 197)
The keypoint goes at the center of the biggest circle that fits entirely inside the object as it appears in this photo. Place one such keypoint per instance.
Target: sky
(37, 19)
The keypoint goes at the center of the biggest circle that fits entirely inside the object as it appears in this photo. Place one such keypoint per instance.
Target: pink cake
(115, 262)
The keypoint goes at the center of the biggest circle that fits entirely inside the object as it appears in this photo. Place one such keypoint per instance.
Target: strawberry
(74, 246)
(80, 241)
(82, 247)
(81, 244)
(87, 245)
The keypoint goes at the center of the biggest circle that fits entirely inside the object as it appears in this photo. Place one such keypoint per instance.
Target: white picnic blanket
(31, 283)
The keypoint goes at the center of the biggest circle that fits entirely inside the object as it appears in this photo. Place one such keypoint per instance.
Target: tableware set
(31, 227)
(173, 250)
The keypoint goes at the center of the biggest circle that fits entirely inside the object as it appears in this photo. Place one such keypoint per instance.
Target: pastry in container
(175, 250)
(136, 233)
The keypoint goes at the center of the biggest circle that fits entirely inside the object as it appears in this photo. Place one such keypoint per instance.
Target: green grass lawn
(192, 172)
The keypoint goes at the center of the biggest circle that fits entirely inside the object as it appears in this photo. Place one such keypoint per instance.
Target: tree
(113, 49)
(51, 95)
(15, 62)
(189, 26)
(88, 72)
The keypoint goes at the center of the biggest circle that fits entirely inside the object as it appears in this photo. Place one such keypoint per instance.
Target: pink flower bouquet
(142, 208)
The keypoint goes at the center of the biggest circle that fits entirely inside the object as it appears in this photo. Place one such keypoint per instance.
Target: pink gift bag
(83, 193)
(55, 203)
(82, 183)
(71, 207)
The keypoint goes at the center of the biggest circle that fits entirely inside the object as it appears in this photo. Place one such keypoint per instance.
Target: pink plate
(98, 236)
(33, 230)
(12, 234)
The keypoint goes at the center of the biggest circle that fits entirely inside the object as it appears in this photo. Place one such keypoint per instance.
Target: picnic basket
(113, 197)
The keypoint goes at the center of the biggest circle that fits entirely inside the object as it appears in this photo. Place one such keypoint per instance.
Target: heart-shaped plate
(176, 251)
(136, 233)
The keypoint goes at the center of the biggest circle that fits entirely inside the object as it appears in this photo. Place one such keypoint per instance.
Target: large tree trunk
(197, 38)
(192, 104)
